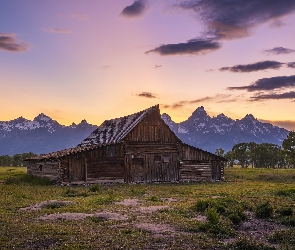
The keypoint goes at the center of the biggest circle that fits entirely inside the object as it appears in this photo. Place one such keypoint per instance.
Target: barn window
(111, 151)
(40, 167)
(166, 159)
(158, 158)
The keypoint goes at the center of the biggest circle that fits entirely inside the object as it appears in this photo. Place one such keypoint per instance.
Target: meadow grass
(224, 204)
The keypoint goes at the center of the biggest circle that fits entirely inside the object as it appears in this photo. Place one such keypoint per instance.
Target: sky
(98, 60)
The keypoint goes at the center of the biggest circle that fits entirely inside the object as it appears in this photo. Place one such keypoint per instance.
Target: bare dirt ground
(256, 229)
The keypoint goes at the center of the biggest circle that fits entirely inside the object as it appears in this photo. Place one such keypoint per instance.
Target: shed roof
(115, 130)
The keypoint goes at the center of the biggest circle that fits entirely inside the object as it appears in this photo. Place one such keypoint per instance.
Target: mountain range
(44, 135)
(210, 133)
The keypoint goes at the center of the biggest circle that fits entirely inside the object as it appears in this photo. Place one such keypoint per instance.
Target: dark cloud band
(8, 42)
(192, 47)
(279, 51)
(271, 83)
(253, 67)
(275, 96)
(135, 9)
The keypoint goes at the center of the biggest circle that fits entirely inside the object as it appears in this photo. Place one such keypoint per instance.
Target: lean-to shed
(135, 148)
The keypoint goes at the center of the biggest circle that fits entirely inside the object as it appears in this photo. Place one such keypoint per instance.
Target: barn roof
(115, 130)
(62, 153)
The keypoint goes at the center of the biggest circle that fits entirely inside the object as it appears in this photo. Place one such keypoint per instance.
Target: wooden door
(137, 170)
(216, 170)
(78, 171)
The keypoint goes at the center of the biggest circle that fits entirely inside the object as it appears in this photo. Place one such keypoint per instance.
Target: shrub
(104, 200)
(285, 211)
(264, 211)
(214, 224)
(202, 205)
(74, 193)
(154, 199)
(247, 244)
(283, 237)
(29, 180)
(94, 188)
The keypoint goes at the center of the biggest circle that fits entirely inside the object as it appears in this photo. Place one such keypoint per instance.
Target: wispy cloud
(135, 9)
(274, 96)
(79, 16)
(147, 95)
(279, 51)
(291, 65)
(105, 67)
(8, 42)
(219, 98)
(272, 83)
(192, 47)
(58, 30)
(246, 68)
(287, 124)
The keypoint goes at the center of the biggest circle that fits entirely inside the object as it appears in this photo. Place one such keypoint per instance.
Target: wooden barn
(135, 148)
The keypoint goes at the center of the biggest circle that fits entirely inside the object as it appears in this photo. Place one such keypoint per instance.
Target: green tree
(240, 153)
(230, 158)
(289, 149)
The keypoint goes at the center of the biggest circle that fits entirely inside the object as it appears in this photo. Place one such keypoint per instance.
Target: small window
(111, 151)
(158, 158)
(40, 167)
(166, 159)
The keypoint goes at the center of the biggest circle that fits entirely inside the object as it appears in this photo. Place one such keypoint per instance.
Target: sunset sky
(101, 59)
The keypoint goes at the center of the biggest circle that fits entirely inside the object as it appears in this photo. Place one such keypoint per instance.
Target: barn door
(137, 169)
(216, 171)
(77, 169)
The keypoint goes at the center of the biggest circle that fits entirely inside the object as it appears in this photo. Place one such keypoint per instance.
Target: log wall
(45, 169)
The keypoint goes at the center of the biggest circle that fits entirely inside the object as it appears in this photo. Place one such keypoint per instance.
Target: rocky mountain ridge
(45, 135)
(41, 135)
(209, 133)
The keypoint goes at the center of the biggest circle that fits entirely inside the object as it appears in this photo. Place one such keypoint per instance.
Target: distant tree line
(15, 161)
(264, 155)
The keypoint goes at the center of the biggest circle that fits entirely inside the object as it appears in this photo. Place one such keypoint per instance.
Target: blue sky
(97, 60)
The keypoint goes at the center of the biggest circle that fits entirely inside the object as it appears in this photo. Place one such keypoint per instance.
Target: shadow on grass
(28, 180)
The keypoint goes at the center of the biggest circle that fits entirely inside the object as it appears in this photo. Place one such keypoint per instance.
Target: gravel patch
(152, 209)
(155, 228)
(128, 202)
(46, 204)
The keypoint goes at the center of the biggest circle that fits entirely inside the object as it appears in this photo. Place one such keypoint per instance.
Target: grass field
(251, 209)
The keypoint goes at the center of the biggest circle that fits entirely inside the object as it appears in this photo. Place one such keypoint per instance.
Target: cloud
(271, 83)
(79, 16)
(287, 124)
(275, 96)
(253, 67)
(219, 98)
(105, 67)
(8, 42)
(234, 19)
(58, 30)
(279, 51)
(291, 65)
(191, 47)
(225, 20)
(135, 9)
(147, 95)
